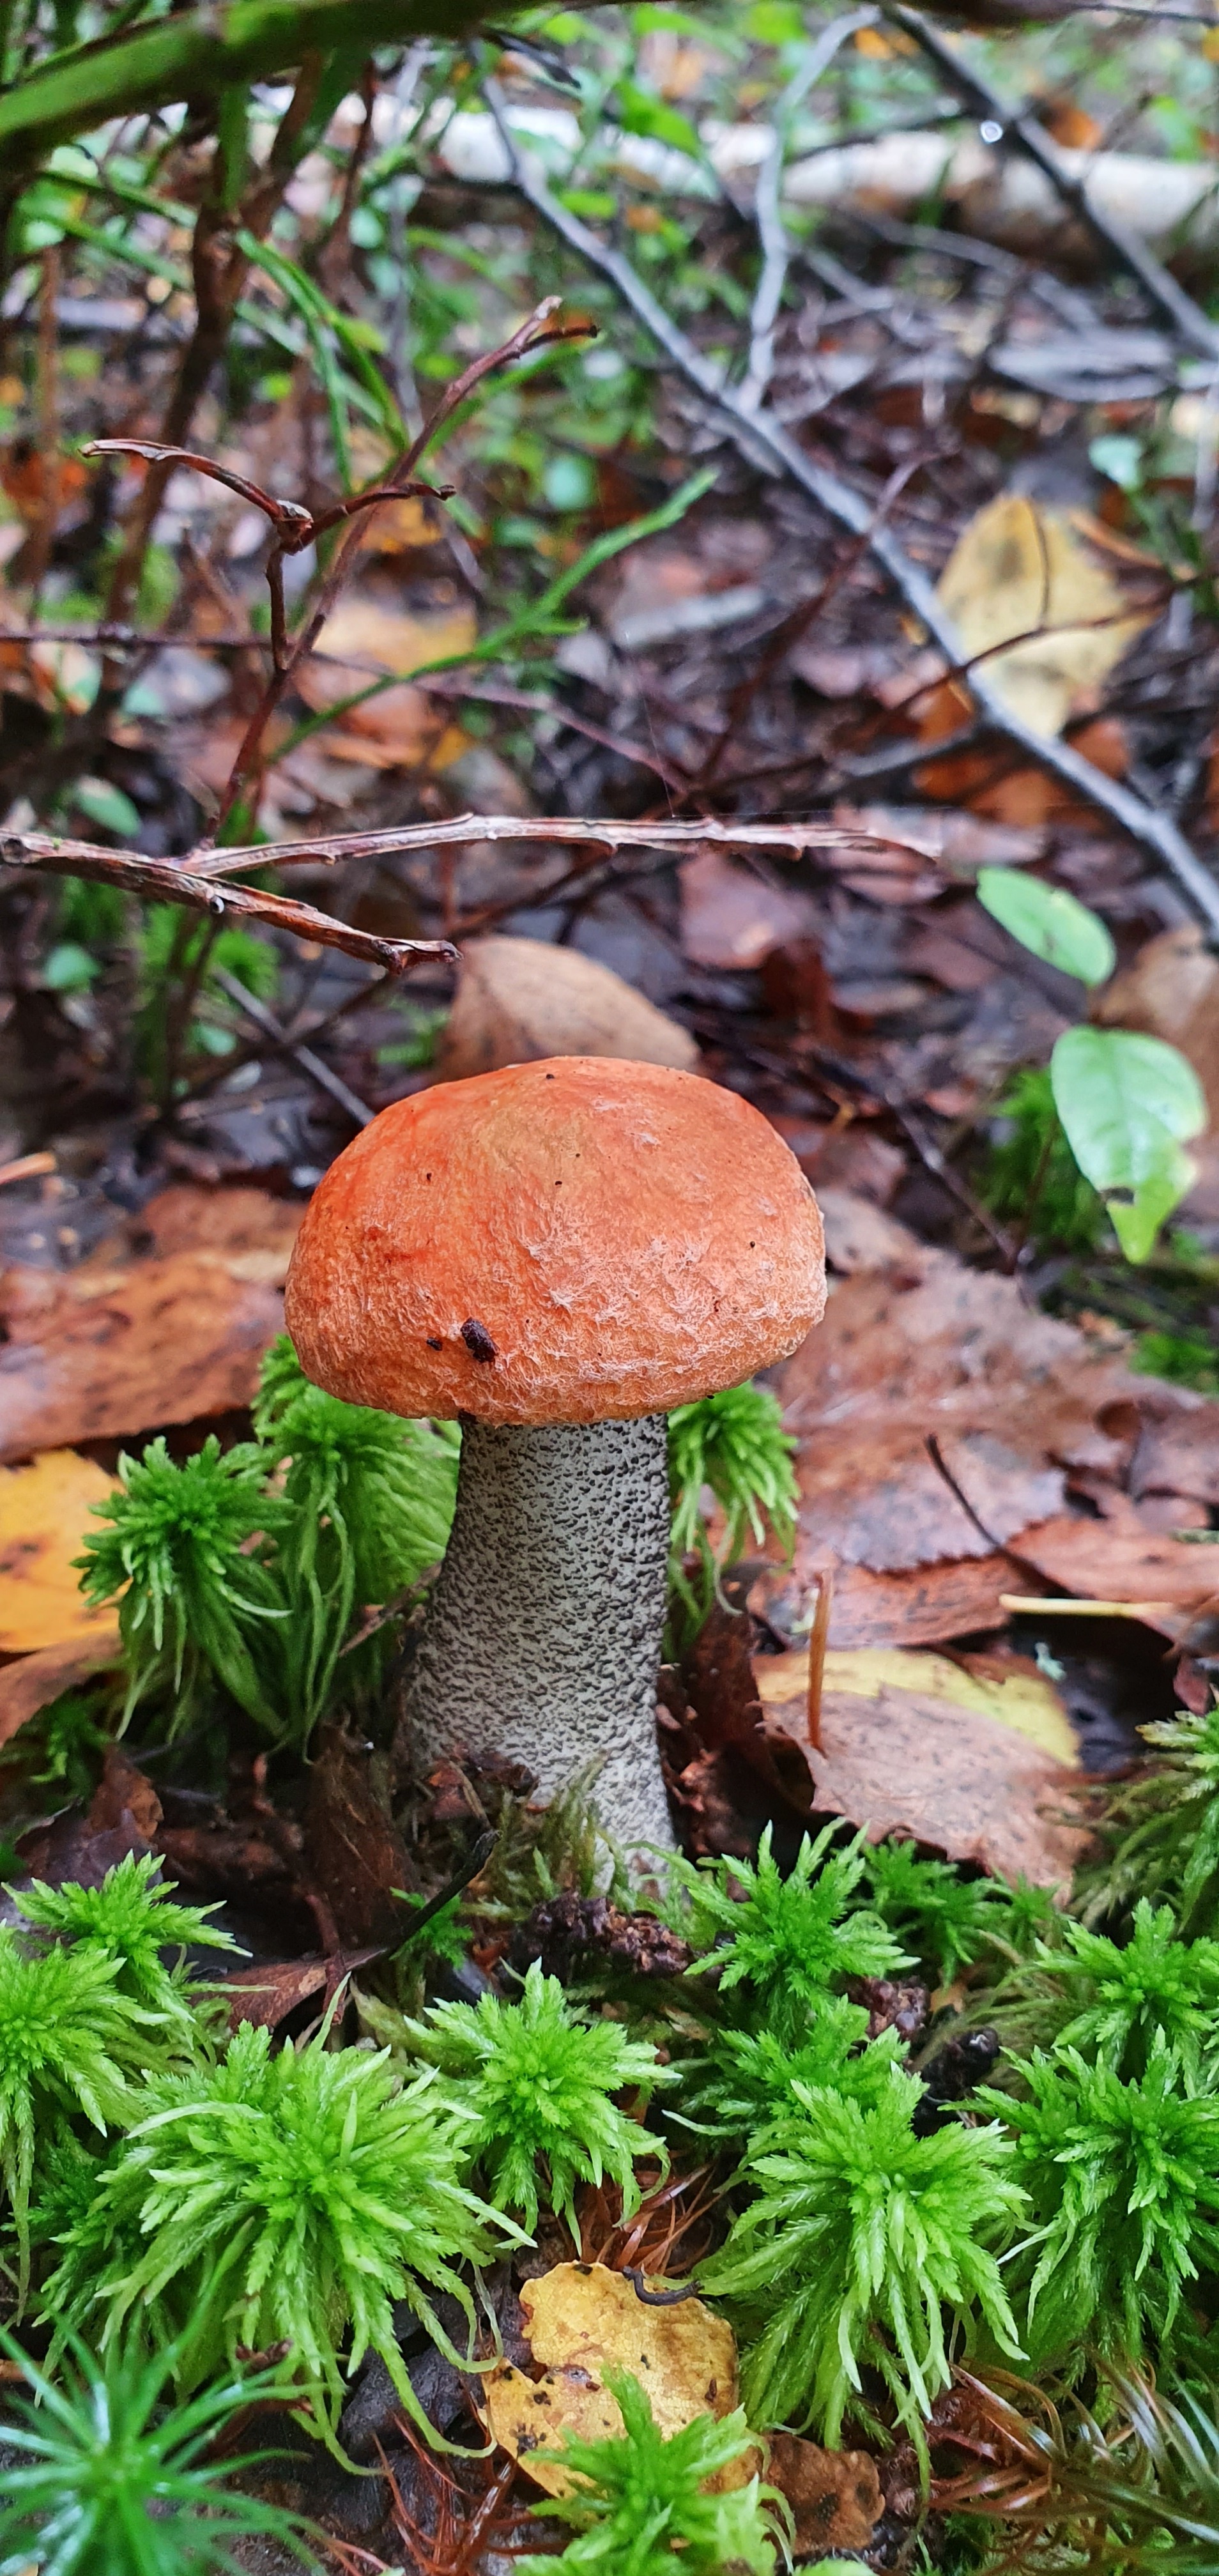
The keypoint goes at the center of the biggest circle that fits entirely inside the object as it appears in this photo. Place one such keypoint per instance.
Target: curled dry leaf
(582, 2318)
(519, 1000)
(33, 1681)
(45, 1517)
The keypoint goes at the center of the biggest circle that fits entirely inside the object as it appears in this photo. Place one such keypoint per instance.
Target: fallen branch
(461, 829)
(186, 881)
(284, 1043)
(768, 446)
(1019, 126)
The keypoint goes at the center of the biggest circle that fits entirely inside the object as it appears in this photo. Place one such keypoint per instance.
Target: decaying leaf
(582, 2318)
(835, 2496)
(940, 1421)
(45, 1517)
(364, 640)
(118, 1350)
(518, 1000)
(905, 1763)
(34, 1681)
(732, 917)
(1017, 569)
(1021, 1696)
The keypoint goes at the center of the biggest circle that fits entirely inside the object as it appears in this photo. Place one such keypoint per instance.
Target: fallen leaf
(835, 2496)
(582, 2318)
(45, 1517)
(933, 1411)
(905, 1763)
(98, 1352)
(519, 1000)
(1024, 1699)
(354, 1852)
(732, 917)
(1125, 1562)
(363, 640)
(34, 1681)
(122, 1819)
(266, 1994)
(1016, 569)
(183, 1218)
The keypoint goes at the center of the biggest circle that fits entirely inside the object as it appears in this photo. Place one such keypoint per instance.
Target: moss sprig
(735, 1443)
(642, 2508)
(785, 1941)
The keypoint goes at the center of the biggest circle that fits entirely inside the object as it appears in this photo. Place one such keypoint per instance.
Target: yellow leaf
(582, 2318)
(44, 1520)
(1020, 570)
(1025, 1701)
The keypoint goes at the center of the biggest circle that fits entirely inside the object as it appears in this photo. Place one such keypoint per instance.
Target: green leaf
(1128, 1105)
(640, 113)
(108, 805)
(1053, 924)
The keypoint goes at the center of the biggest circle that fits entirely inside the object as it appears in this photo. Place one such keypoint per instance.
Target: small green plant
(294, 2198)
(130, 1920)
(864, 2246)
(1114, 2004)
(368, 1504)
(1030, 1175)
(943, 1918)
(1161, 1829)
(1185, 1359)
(788, 1941)
(748, 2079)
(186, 1555)
(735, 1443)
(1124, 2183)
(641, 2506)
(70, 2044)
(110, 2480)
(1129, 1104)
(537, 2081)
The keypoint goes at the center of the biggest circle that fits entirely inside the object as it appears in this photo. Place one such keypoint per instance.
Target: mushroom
(555, 1255)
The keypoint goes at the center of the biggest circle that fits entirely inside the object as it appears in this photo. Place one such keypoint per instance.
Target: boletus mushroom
(555, 1255)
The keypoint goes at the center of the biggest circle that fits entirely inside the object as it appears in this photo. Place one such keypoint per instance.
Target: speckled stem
(542, 1638)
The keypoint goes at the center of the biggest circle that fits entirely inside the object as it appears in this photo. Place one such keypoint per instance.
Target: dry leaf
(1017, 568)
(904, 1763)
(97, 1352)
(34, 1681)
(1021, 1698)
(731, 917)
(581, 2318)
(519, 1000)
(45, 1517)
(361, 640)
(835, 2496)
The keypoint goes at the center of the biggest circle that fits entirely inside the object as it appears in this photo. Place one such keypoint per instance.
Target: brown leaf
(733, 917)
(45, 1517)
(354, 1854)
(519, 1000)
(903, 1763)
(266, 1994)
(123, 1817)
(835, 2496)
(101, 1352)
(1103, 1561)
(31, 1683)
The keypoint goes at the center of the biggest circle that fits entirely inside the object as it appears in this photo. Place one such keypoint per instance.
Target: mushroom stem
(543, 1635)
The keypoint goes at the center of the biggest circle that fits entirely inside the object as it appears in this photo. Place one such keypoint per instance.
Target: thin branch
(332, 1083)
(772, 231)
(176, 881)
(535, 333)
(1020, 127)
(544, 828)
(769, 447)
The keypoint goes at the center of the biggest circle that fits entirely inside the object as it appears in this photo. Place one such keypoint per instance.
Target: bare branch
(772, 231)
(770, 447)
(543, 828)
(176, 881)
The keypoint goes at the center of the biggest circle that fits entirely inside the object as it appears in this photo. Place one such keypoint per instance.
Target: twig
(357, 1110)
(179, 881)
(772, 231)
(768, 446)
(1023, 129)
(535, 333)
(613, 834)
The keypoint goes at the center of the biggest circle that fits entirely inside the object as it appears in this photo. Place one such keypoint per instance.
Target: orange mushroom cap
(579, 1240)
